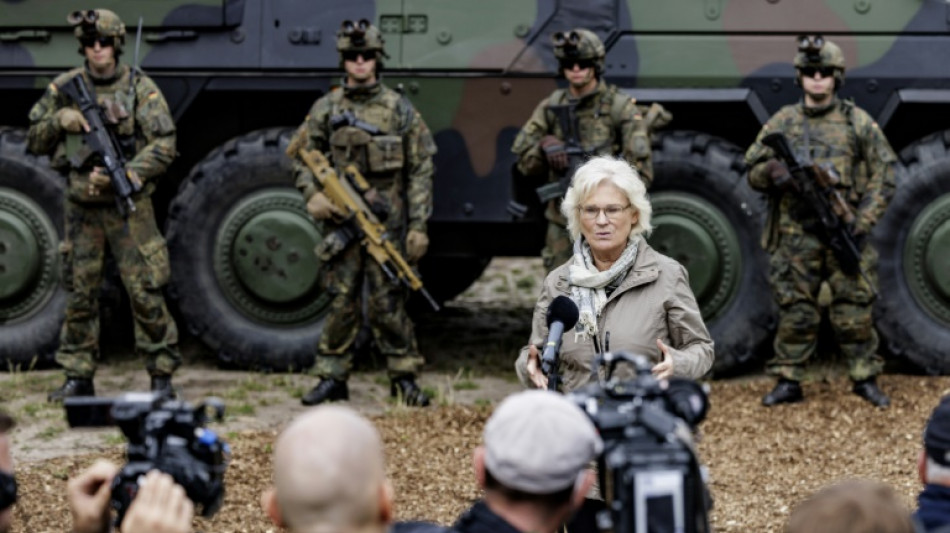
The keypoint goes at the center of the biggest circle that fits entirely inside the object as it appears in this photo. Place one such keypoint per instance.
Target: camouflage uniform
(847, 137)
(147, 135)
(609, 123)
(398, 163)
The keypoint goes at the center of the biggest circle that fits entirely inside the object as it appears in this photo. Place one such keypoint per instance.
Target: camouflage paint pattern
(797, 267)
(721, 66)
(398, 163)
(93, 222)
(848, 138)
(142, 259)
(148, 124)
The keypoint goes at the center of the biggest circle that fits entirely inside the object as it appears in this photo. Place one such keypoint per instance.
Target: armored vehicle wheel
(707, 217)
(244, 275)
(913, 239)
(31, 222)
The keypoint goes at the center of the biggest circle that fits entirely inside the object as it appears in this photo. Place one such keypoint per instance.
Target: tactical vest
(598, 125)
(119, 101)
(833, 139)
(376, 146)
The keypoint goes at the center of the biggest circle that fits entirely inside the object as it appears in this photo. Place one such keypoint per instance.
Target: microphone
(562, 316)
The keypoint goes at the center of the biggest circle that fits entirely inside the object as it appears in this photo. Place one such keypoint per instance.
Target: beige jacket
(654, 301)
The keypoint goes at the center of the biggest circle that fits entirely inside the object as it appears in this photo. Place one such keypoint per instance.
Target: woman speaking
(629, 296)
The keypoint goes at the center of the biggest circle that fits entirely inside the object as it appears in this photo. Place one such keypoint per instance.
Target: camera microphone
(562, 316)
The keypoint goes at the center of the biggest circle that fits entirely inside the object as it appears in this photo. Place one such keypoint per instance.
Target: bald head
(329, 472)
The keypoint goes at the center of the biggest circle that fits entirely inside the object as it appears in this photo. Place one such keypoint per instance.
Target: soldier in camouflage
(825, 129)
(607, 123)
(374, 127)
(144, 128)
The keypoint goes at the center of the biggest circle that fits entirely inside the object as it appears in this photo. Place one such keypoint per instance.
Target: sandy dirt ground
(761, 461)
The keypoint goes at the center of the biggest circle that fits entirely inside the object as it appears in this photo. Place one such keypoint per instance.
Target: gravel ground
(761, 461)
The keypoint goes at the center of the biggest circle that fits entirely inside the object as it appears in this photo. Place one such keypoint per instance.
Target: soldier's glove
(321, 208)
(417, 243)
(554, 152)
(777, 171)
(71, 120)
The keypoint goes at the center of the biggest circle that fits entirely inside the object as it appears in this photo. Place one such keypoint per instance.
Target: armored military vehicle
(240, 74)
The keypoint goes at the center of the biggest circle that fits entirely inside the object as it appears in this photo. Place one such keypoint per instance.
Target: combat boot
(786, 391)
(328, 390)
(163, 384)
(868, 389)
(406, 390)
(72, 387)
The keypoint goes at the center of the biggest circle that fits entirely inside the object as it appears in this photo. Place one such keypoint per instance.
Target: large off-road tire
(31, 225)
(244, 275)
(708, 218)
(913, 240)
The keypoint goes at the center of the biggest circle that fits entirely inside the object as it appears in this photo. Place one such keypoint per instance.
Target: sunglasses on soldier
(90, 42)
(809, 72)
(351, 55)
(568, 64)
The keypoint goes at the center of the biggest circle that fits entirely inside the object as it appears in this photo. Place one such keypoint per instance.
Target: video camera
(164, 434)
(650, 477)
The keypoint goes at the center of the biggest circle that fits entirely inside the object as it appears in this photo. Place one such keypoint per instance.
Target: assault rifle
(361, 221)
(816, 185)
(567, 120)
(347, 118)
(102, 141)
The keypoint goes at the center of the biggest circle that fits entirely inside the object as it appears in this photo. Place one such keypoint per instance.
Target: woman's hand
(663, 369)
(534, 368)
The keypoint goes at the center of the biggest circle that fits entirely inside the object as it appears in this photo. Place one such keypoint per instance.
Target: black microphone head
(563, 310)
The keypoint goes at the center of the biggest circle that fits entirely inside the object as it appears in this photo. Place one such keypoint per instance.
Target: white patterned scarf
(587, 284)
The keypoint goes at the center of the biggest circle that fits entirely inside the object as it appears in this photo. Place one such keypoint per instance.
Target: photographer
(532, 464)
(7, 482)
(630, 297)
(159, 507)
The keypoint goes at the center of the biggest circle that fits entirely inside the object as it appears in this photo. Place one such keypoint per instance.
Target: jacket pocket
(348, 146)
(385, 153)
(155, 256)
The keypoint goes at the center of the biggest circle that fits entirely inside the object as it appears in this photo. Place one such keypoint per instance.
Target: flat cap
(539, 442)
(937, 433)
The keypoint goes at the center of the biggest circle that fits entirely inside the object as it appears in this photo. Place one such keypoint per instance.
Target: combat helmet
(94, 23)
(815, 51)
(579, 44)
(359, 36)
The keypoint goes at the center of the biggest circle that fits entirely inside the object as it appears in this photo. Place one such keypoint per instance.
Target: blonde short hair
(615, 171)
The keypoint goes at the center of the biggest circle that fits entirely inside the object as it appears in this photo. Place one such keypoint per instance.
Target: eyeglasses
(568, 64)
(592, 212)
(90, 42)
(351, 55)
(809, 72)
